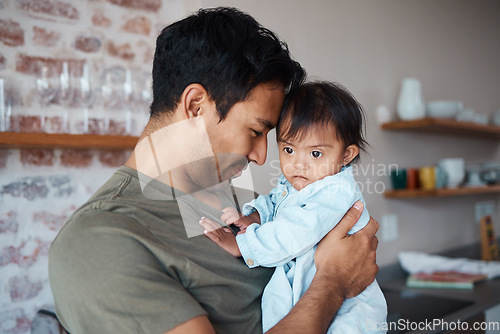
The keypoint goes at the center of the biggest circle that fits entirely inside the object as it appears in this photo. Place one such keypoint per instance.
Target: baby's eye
(288, 150)
(316, 154)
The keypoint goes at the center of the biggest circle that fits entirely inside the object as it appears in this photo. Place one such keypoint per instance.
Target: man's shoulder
(117, 208)
(86, 224)
(122, 194)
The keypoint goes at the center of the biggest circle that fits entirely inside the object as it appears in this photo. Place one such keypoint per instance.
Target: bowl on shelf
(466, 115)
(490, 173)
(473, 177)
(495, 120)
(444, 108)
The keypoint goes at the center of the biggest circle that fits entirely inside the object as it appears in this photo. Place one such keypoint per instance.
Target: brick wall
(39, 188)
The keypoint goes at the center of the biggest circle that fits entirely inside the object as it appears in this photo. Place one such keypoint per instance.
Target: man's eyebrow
(265, 123)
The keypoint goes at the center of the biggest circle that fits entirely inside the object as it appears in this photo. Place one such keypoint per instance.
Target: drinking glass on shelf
(10, 101)
(144, 98)
(65, 93)
(3, 117)
(47, 86)
(128, 101)
(113, 89)
(84, 98)
(137, 98)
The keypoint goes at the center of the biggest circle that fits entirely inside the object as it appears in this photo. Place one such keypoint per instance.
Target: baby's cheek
(323, 169)
(286, 168)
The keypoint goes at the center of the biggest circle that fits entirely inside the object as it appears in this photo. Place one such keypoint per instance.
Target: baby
(320, 134)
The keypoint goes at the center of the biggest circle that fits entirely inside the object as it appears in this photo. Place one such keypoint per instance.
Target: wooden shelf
(445, 126)
(62, 140)
(464, 191)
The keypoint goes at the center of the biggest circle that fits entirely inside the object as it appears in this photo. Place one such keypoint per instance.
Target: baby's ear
(350, 153)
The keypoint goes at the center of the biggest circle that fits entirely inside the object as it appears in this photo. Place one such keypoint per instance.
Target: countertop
(485, 294)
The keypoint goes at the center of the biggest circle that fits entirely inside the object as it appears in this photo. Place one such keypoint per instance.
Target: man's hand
(222, 236)
(349, 259)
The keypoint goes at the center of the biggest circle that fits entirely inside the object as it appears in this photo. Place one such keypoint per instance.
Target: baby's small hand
(243, 223)
(222, 236)
(230, 215)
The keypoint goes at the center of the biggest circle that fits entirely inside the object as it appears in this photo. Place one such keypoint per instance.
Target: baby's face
(318, 153)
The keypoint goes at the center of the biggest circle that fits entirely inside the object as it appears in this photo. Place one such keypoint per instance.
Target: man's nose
(259, 151)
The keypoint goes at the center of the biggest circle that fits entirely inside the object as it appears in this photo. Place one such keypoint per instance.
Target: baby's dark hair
(322, 103)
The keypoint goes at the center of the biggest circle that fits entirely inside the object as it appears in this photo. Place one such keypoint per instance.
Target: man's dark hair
(322, 103)
(226, 51)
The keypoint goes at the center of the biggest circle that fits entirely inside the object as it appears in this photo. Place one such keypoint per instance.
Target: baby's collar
(283, 181)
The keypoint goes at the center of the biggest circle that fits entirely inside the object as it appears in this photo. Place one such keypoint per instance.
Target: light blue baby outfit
(292, 223)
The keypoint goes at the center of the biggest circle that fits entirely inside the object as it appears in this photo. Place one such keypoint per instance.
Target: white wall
(451, 46)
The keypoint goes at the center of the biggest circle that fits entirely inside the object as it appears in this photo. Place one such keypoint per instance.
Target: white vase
(410, 102)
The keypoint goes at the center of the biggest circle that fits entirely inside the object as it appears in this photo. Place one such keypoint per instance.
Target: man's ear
(194, 101)
(350, 153)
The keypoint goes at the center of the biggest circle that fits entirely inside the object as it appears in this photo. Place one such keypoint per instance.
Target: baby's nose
(301, 164)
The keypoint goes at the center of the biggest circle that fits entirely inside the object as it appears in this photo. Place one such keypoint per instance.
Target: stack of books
(444, 279)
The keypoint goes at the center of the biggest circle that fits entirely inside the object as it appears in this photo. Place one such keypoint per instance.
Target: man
(131, 260)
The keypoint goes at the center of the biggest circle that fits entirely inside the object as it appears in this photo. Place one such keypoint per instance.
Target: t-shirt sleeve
(106, 280)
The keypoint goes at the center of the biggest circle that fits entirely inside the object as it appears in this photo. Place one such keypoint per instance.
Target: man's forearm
(315, 310)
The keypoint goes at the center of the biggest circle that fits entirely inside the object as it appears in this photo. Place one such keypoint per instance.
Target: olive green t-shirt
(123, 263)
